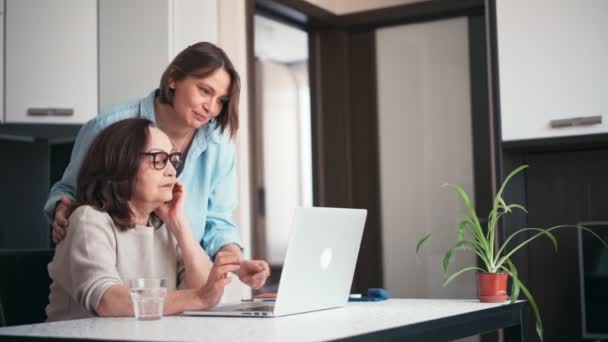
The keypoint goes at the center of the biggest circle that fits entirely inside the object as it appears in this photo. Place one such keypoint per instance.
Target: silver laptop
(318, 268)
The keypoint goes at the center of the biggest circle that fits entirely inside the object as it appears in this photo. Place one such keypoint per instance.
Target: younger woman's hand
(63, 210)
(254, 273)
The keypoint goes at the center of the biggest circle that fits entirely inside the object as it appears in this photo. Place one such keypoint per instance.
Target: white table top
(354, 319)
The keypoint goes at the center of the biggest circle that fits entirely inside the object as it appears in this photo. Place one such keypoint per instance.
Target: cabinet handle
(580, 121)
(50, 111)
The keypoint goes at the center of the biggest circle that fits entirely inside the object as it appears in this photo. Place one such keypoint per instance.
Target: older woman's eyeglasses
(160, 159)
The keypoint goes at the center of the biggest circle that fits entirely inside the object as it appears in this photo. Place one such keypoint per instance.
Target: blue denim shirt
(209, 175)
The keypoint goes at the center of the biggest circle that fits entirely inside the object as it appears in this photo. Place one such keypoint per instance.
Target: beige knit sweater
(96, 255)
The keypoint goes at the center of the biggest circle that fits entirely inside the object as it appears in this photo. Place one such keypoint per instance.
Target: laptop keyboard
(266, 308)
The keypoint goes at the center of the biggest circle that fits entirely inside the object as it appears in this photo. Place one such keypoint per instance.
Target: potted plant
(496, 266)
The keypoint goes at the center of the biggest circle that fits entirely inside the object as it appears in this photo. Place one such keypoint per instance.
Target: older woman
(129, 222)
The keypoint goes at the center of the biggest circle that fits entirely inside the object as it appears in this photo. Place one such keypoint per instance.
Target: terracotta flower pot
(492, 287)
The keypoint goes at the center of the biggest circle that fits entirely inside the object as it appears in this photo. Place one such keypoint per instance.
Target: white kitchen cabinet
(51, 61)
(138, 39)
(552, 65)
(67, 60)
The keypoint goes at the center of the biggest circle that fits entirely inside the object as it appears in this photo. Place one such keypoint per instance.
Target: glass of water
(148, 295)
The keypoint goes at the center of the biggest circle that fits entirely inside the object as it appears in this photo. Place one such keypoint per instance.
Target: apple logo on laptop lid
(326, 256)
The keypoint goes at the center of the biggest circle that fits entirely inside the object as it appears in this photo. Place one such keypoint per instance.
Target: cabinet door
(51, 61)
(133, 48)
(552, 66)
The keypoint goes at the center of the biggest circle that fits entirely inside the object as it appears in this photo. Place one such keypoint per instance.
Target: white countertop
(354, 319)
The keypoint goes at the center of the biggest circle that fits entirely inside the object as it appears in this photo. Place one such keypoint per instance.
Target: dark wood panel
(24, 289)
(39, 132)
(25, 179)
(570, 143)
(410, 13)
(300, 13)
(485, 141)
(516, 193)
(493, 88)
(329, 75)
(256, 148)
(560, 188)
(596, 187)
(365, 156)
(309, 16)
(345, 142)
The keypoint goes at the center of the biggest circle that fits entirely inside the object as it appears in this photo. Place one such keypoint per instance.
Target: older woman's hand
(212, 292)
(172, 213)
(254, 273)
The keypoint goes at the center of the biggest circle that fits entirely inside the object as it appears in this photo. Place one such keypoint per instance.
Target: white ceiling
(279, 42)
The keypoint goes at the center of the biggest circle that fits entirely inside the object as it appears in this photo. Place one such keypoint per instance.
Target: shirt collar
(146, 106)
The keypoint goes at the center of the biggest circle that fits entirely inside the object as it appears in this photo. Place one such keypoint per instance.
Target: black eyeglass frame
(160, 163)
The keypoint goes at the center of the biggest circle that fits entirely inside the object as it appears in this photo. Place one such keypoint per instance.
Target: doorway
(282, 137)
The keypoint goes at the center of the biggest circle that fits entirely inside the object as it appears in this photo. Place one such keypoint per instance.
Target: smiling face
(197, 100)
(152, 186)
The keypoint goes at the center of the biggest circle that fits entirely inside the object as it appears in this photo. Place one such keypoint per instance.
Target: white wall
(424, 140)
(138, 39)
(193, 21)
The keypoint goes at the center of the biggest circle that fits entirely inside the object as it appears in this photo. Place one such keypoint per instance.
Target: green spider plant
(495, 257)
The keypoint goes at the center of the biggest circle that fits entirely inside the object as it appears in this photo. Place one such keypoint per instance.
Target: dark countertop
(53, 134)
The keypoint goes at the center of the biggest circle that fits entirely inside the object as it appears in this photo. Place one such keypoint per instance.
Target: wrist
(231, 248)
(178, 225)
(201, 300)
(197, 299)
(58, 206)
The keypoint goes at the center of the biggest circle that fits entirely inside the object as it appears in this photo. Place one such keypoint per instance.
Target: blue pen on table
(373, 295)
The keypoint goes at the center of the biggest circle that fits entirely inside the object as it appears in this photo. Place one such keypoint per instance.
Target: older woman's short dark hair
(107, 175)
(201, 60)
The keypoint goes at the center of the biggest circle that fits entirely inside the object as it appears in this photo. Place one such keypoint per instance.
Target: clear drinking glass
(148, 295)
